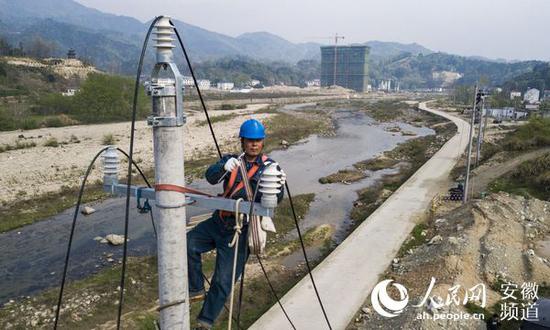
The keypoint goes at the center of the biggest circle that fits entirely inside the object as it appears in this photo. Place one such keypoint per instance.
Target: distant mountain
(66, 11)
(113, 43)
(270, 46)
(110, 38)
(417, 71)
(385, 49)
(538, 78)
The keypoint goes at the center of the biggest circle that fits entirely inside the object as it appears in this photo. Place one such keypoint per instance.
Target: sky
(508, 29)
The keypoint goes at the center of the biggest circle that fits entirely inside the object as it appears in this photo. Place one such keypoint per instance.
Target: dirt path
(489, 171)
(346, 277)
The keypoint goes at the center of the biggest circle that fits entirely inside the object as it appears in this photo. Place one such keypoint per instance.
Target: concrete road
(347, 276)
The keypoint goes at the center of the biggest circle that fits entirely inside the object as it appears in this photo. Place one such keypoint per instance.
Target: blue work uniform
(216, 233)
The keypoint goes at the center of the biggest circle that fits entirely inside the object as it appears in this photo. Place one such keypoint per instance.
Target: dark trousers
(206, 236)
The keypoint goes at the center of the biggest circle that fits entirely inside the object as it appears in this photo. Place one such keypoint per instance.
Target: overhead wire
(127, 204)
(220, 156)
(73, 226)
(130, 163)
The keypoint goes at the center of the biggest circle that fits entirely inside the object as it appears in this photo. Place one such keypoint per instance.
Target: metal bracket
(205, 202)
(166, 121)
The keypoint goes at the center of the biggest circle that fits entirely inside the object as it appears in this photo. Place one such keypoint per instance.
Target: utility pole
(170, 194)
(167, 119)
(481, 129)
(470, 140)
(336, 37)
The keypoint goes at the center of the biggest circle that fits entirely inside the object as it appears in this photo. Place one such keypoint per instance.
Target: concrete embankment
(346, 277)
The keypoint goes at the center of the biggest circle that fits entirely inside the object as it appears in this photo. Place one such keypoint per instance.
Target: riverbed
(32, 257)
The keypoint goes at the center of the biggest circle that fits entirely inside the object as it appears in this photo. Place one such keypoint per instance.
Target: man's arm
(215, 171)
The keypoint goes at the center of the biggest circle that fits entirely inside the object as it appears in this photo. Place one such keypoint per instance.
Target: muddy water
(32, 257)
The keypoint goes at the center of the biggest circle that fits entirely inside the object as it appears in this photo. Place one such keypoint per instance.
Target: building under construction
(345, 66)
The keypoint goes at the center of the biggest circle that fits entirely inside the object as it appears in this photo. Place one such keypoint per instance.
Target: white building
(313, 83)
(514, 94)
(253, 82)
(204, 83)
(69, 92)
(506, 113)
(225, 86)
(531, 96)
(188, 81)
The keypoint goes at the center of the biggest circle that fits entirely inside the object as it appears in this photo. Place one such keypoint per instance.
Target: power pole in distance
(470, 140)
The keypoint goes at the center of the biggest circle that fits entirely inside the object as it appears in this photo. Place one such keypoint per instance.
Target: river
(32, 257)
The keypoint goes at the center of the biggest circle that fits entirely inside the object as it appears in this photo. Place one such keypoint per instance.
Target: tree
(40, 48)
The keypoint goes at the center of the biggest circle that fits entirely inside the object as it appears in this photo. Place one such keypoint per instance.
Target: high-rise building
(345, 66)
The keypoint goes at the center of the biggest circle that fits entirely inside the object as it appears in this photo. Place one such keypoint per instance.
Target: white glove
(283, 178)
(231, 164)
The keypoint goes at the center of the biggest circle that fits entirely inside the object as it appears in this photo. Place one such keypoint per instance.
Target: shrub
(51, 142)
(108, 139)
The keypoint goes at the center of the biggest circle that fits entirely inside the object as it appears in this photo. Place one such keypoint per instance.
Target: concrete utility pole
(469, 154)
(166, 89)
(336, 37)
(170, 194)
(481, 129)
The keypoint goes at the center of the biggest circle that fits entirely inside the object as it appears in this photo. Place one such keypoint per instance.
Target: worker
(217, 232)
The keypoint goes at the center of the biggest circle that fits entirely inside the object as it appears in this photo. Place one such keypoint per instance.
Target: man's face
(252, 147)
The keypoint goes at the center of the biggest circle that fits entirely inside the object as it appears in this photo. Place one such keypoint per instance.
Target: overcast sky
(511, 29)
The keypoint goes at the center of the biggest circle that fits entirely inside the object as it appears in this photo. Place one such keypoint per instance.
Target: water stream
(32, 257)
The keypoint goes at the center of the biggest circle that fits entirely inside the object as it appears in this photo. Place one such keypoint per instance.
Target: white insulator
(270, 186)
(164, 32)
(111, 163)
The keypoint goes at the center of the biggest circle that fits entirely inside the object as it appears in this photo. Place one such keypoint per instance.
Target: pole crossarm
(205, 202)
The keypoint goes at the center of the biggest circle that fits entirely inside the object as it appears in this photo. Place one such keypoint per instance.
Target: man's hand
(231, 164)
(283, 178)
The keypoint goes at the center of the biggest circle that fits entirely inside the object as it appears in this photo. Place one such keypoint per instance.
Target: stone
(285, 143)
(98, 238)
(87, 210)
(453, 240)
(115, 239)
(435, 240)
(103, 241)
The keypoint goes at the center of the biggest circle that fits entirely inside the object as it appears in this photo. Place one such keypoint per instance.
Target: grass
(218, 119)
(386, 110)
(415, 240)
(229, 106)
(101, 289)
(414, 152)
(26, 212)
(292, 128)
(142, 288)
(108, 139)
(375, 164)
(343, 176)
(18, 145)
(51, 142)
(535, 134)
(530, 179)
(284, 220)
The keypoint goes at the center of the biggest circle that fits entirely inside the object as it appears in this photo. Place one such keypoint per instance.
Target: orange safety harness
(232, 189)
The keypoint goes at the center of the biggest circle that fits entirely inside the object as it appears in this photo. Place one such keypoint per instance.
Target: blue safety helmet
(252, 129)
